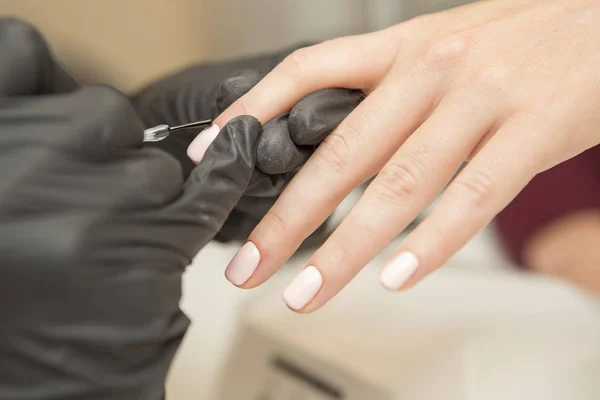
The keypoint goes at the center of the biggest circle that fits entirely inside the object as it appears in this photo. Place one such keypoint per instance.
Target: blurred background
(129, 43)
(482, 328)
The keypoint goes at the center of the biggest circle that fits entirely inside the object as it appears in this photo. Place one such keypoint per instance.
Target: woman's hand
(511, 86)
(204, 91)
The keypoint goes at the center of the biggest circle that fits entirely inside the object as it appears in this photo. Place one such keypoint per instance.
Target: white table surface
(214, 306)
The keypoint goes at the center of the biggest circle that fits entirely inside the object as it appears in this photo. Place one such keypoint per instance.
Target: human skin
(512, 86)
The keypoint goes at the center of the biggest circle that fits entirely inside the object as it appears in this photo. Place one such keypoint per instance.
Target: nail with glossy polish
(399, 271)
(244, 263)
(303, 289)
(199, 145)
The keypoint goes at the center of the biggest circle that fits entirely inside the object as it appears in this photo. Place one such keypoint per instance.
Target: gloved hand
(27, 65)
(95, 233)
(195, 94)
(204, 91)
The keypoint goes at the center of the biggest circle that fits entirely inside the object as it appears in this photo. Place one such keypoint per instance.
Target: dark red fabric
(568, 187)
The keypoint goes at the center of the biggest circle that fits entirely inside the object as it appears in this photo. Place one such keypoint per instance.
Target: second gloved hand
(286, 144)
(204, 91)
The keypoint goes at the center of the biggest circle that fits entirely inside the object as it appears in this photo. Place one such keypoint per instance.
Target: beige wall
(122, 42)
(248, 26)
(127, 43)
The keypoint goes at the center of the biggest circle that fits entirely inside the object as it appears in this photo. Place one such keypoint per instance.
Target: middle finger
(408, 183)
(355, 151)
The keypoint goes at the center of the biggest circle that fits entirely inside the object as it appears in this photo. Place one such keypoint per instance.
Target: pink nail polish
(302, 289)
(399, 271)
(200, 144)
(243, 264)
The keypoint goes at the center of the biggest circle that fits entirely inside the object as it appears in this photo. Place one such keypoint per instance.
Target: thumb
(220, 180)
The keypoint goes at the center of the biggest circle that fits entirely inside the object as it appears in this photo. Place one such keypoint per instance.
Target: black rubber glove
(287, 141)
(194, 94)
(27, 66)
(95, 233)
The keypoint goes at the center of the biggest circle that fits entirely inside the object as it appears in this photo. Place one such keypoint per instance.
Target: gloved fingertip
(276, 153)
(316, 115)
(235, 87)
(217, 184)
(24, 59)
(200, 144)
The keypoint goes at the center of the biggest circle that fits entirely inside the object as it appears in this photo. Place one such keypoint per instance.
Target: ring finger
(408, 183)
(355, 151)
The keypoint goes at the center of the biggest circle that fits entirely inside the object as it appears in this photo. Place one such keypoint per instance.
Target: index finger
(358, 62)
(217, 184)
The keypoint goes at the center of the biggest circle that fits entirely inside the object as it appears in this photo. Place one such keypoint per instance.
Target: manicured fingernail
(302, 289)
(200, 144)
(399, 271)
(243, 264)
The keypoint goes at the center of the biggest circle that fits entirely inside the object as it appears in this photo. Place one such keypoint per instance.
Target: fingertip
(197, 149)
(277, 154)
(303, 289)
(243, 265)
(317, 114)
(303, 311)
(396, 274)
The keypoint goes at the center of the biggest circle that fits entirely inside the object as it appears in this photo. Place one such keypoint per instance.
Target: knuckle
(337, 153)
(242, 107)
(333, 154)
(438, 235)
(475, 187)
(345, 254)
(297, 63)
(277, 225)
(397, 182)
(448, 51)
